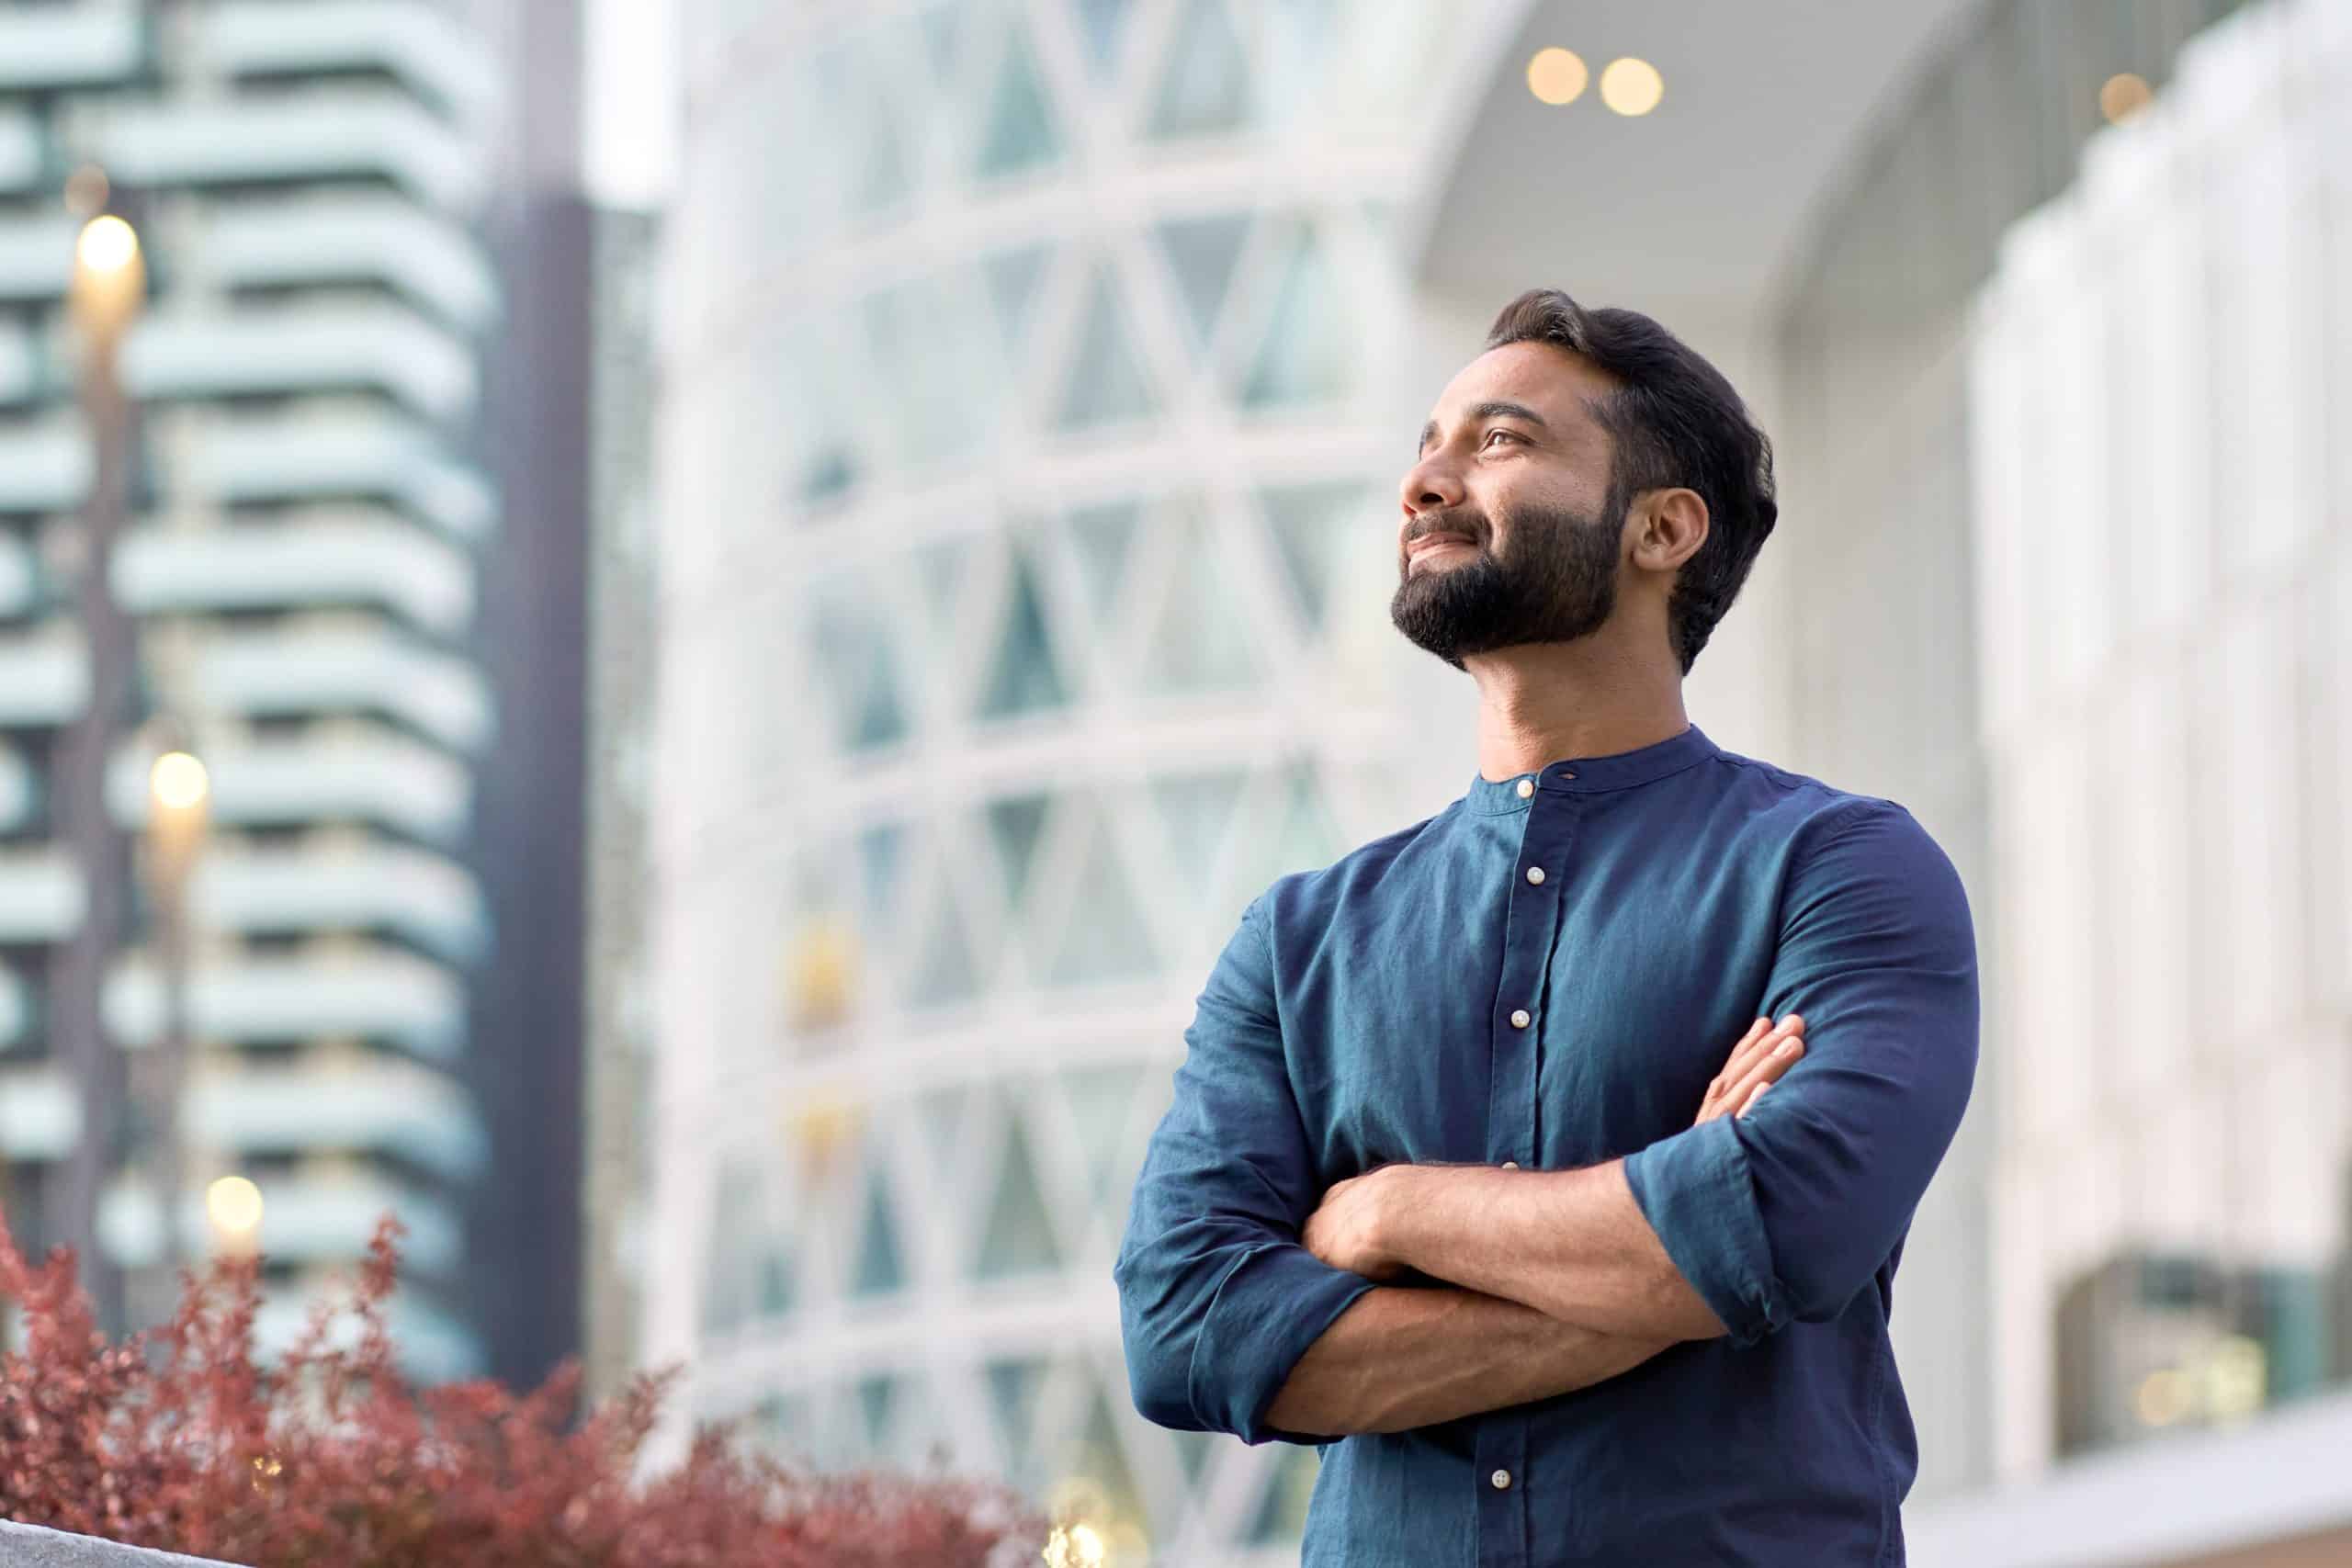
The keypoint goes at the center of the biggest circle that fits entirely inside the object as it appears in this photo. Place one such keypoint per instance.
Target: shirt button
(1520, 1020)
(1526, 788)
(1535, 874)
(1501, 1479)
(1510, 1164)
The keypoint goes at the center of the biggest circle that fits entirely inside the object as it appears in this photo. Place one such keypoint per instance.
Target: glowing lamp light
(108, 244)
(233, 1204)
(1631, 86)
(178, 781)
(1556, 76)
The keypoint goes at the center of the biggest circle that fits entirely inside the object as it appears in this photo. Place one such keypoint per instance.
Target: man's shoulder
(1805, 810)
(1315, 897)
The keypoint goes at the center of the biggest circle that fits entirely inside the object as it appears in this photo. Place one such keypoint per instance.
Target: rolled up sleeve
(1785, 1213)
(1217, 1300)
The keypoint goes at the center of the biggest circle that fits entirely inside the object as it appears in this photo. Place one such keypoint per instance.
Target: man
(1483, 1162)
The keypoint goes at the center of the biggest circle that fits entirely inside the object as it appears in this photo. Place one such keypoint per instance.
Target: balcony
(40, 896)
(370, 347)
(379, 1107)
(41, 1113)
(21, 791)
(358, 558)
(410, 41)
(46, 469)
(320, 135)
(37, 257)
(321, 1219)
(311, 455)
(356, 773)
(77, 46)
(338, 239)
(21, 579)
(21, 381)
(368, 885)
(305, 671)
(23, 156)
(372, 994)
(44, 677)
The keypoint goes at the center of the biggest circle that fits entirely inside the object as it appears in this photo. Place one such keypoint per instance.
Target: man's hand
(1763, 1054)
(1345, 1231)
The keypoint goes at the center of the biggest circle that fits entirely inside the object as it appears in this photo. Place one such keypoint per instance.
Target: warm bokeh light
(108, 244)
(1631, 86)
(235, 1205)
(2123, 95)
(1075, 1546)
(2164, 1397)
(1556, 75)
(178, 781)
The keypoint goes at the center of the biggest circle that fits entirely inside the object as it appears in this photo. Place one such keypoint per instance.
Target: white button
(1535, 874)
(1526, 788)
(1501, 1479)
(1520, 1019)
(1510, 1164)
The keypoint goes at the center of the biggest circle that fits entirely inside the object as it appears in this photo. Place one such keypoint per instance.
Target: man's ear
(1669, 527)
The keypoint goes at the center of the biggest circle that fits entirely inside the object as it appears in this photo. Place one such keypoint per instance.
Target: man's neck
(1544, 703)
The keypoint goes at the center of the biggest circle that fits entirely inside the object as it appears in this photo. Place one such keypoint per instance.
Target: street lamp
(109, 286)
(179, 797)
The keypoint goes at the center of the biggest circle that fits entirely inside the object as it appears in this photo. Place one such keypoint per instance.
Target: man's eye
(1493, 435)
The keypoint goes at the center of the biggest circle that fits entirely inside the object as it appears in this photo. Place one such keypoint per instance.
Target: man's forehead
(1556, 382)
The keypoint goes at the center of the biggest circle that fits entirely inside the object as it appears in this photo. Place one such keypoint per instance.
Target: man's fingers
(1753, 1096)
(1754, 1047)
(1768, 1066)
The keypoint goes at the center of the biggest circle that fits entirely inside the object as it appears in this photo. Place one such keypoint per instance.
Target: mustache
(1469, 524)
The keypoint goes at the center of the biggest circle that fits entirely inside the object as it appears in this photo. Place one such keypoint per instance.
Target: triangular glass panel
(881, 871)
(1197, 811)
(876, 1398)
(942, 565)
(1099, 1457)
(942, 25)
(1202, 252)
(881, 714)
(1012, 1395)
(1015, 823)
(1106, 939)
(1206, 85)
(941, 1112)
(1203, 640)
(881, 1266)
(1103, 24)
(1312, 526)
(945, 971)
(778, 1290)
(1282, 1513)
(1107, 384)
(1193, 1450)
(1020, 132)
(1019, 1237)
(1099, 537)
(882, 178)
(1307, 354)
(1026, 677)
(733, 1238)
(1099, 1099)
(1308, 837)
(1013, 278)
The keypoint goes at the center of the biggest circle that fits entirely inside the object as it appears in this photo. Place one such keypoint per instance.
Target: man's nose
(1430, 486)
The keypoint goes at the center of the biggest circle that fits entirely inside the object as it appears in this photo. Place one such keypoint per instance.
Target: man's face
(1511, 531)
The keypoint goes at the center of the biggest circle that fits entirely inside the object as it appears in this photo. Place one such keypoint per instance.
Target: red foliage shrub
(181, 1440)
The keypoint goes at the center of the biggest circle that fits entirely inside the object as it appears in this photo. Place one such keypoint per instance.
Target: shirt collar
(1585, 775)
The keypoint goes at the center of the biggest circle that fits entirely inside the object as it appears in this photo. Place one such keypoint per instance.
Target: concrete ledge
(2202, 1496)
(26, 1546)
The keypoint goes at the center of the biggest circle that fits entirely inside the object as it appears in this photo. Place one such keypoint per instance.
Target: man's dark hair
(1676, 422)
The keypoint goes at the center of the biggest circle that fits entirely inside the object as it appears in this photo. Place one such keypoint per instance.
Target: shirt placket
(1531, 926)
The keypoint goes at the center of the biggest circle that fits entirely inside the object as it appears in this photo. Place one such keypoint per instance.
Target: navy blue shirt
(1365, 1014)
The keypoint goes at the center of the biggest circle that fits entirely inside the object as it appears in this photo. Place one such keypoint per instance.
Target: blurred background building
(244, 991)
(1033, 381)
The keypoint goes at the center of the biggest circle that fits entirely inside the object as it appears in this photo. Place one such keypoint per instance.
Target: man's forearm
(1570, 1244)
(1401, 1358)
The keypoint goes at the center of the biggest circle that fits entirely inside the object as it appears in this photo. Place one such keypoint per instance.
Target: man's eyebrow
(1489, 410)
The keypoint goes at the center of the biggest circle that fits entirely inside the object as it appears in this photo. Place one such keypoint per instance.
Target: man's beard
(1555, 582)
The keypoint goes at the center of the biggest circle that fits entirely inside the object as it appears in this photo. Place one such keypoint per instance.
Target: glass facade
(1027, 530)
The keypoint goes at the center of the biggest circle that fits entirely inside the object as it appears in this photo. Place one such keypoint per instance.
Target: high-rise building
(309, 504)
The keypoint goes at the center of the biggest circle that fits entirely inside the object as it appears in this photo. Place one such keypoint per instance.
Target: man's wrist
(1420, 1203)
